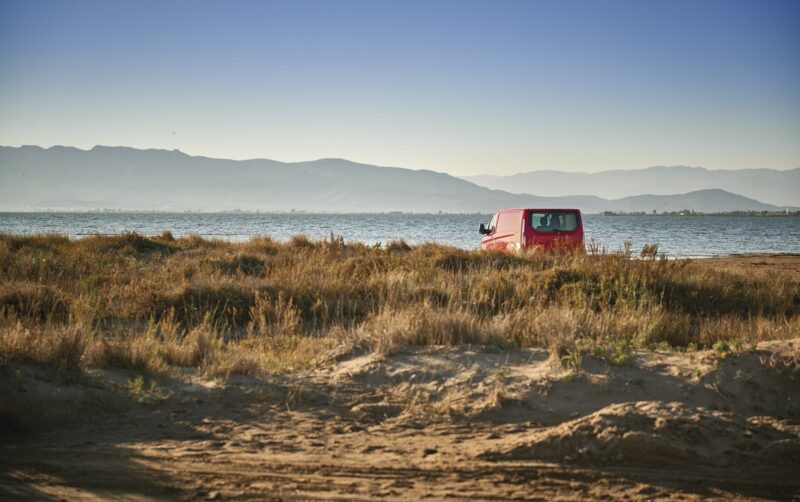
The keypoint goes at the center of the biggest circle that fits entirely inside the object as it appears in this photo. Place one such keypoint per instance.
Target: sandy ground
(423, 424)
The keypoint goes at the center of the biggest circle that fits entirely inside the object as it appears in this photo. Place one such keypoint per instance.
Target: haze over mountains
(768, 185)
(65, 178)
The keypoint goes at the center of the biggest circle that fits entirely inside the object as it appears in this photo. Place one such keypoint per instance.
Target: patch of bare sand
(435, 423)
(660, 434)
(524, 385)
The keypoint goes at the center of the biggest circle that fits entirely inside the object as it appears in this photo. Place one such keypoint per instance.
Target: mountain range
(65, 178)
(769, 185)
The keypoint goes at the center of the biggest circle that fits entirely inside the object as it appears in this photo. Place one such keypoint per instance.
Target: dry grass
(264, 306)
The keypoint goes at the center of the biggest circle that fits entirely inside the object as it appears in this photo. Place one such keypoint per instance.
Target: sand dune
(434, 423)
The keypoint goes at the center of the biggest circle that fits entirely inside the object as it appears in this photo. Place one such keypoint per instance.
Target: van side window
(554, 221)
(493, 223)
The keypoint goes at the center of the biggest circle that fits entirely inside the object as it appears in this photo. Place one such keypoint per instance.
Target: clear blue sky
(463, 87)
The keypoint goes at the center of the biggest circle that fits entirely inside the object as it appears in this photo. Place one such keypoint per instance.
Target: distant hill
(713, 200)
(65, 178)
(776, 187)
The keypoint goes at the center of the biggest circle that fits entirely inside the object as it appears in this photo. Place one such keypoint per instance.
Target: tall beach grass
(264, 306)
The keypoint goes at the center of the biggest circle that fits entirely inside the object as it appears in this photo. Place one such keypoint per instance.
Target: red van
(512, 230)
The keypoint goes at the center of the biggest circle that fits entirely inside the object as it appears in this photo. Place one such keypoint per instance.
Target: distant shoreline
(695, 213)
(397, 213)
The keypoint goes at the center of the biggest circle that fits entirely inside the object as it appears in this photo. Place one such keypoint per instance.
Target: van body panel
(508, 230)
(512, 230)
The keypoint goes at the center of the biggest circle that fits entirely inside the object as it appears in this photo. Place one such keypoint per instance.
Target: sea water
(676, 236)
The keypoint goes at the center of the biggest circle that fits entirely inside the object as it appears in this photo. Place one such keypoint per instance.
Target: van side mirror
(483, 230)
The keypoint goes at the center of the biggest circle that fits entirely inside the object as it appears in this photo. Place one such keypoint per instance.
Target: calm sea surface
(675, 235)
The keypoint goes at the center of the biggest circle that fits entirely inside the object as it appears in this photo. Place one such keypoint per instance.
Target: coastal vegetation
(158, 303)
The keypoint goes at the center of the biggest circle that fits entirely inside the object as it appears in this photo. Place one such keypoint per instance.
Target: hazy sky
(463, 87)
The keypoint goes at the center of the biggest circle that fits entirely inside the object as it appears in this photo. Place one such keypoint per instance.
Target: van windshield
(554, 221)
